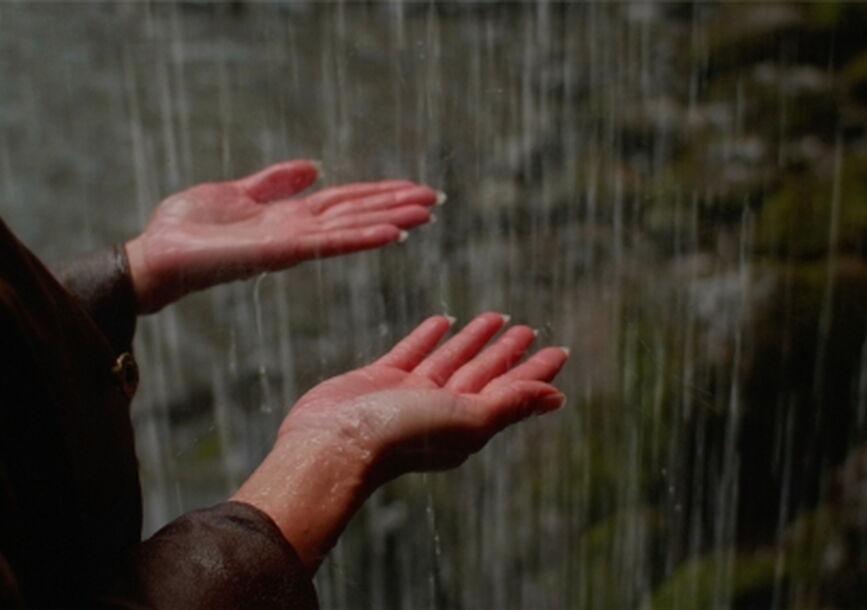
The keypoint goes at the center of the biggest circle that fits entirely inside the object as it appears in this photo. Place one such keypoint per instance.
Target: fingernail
(451, 319)
(320, 172)
(552, 402)
(506, 317)
(404, 235)
(432, 220)
(535, 332)
(441, 198)
(566, 350)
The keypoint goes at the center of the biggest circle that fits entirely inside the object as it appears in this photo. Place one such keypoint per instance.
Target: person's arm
(227, 557)
(415, 409)
(223, 231)
(102, 284)
(69, 497)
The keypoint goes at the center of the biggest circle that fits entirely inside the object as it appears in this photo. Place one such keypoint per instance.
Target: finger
(541, 366)
(511, 402)
(411, 195)
(280, 180)
(418, 344)
(344, 241)
(403, 217)
(440, 365)
(494, 361)
(324, 199)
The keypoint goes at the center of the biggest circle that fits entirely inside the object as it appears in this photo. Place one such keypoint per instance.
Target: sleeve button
(125, 372)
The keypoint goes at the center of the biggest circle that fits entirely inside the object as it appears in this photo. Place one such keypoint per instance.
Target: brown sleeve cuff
(102, 283)
(230, 556)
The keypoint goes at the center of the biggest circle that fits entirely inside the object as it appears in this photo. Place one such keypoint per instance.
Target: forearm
(226, 557)
(311, 486)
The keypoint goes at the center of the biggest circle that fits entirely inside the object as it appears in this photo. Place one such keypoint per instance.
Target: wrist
(310, 484)
(156, 282)
(141, 279)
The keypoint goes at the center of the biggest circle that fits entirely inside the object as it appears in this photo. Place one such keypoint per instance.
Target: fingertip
(413, 215)
(414, 347)
(280, 180)
(550, 402)
(492, 318)
(521, 332)
(518, 400)
(556, 352)
(565, 349)
(300, 174)
(440, 320)
(443, 323)
(419, 195)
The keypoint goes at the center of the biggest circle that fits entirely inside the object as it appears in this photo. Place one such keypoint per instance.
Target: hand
(415, 408)
(223, 231)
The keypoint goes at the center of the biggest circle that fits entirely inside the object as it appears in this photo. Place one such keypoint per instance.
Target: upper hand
(222, 231)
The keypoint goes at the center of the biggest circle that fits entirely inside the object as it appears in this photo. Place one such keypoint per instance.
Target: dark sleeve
(101, 282)
(231, 556)
(70, 508)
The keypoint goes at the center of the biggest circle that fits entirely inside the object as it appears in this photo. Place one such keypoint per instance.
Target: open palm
(222, 231)
(417, 408)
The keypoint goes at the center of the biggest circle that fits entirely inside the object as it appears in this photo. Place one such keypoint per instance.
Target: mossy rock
(854, 77)
(738, 34)
(796, 220)
(748, 580)
(830, 14)
(811, 102)
(714, 580)
(800, 374)
(617, 544)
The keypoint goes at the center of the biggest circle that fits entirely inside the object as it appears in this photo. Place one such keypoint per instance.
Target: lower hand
(416, 408)
(223, 231)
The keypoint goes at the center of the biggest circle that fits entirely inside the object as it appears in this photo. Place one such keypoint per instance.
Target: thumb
(280, 180)
(510, 402)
